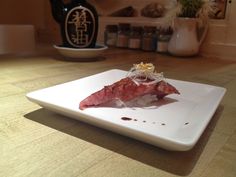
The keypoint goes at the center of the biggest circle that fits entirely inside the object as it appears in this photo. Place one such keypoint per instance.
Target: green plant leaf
(190, 8)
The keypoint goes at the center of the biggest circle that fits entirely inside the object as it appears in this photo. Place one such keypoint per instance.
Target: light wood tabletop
(38, 142)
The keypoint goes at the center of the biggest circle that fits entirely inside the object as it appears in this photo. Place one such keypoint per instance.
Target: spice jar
(110, 35)
(163, 40)
(123, 35)
(149, 38)
(135, 37)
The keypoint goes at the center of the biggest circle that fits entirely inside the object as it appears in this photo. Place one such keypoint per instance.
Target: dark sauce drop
(126, 118)
(163, 124)
(186, 123)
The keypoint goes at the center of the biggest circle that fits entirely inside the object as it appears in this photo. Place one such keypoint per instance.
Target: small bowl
(81, 53)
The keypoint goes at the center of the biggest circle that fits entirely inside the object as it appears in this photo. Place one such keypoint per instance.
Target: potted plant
(191, 8)
(190, 26)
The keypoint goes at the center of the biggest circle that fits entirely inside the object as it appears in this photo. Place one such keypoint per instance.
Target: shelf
(142, 21)
(132, 20)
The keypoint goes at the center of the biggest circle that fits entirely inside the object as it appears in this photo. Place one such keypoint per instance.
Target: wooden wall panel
(22, 12)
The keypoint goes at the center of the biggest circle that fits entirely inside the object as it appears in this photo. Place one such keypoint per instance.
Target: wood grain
(37, 142)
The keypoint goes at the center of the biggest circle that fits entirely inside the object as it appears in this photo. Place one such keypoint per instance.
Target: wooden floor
(37, 142)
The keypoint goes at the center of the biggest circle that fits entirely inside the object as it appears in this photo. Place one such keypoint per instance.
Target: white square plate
(175, 123)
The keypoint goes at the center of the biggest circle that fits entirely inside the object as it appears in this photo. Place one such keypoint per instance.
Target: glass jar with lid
(135, 37)
(163, 39)
(149, 38)
(110, 35)
(123, 35)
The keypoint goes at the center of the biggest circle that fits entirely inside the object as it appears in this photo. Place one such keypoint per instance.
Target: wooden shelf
(132, 20)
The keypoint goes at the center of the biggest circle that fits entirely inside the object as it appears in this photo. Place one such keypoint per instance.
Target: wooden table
(37, 142)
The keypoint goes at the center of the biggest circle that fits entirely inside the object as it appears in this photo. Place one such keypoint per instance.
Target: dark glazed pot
(78, 22)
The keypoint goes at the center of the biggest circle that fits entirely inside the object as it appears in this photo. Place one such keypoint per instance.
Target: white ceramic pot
(185, 41)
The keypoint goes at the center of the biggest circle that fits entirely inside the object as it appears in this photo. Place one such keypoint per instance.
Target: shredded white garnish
(142, 72)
